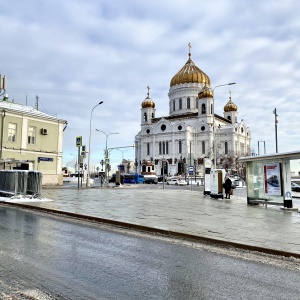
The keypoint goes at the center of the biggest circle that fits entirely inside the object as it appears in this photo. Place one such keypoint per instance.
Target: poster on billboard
(272, 179)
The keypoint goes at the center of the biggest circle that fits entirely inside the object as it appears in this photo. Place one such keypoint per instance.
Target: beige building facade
(31, 140)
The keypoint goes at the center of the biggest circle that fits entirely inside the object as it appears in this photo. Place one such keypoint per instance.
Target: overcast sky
(75, 53)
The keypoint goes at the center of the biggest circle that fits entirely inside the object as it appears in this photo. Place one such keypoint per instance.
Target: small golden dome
(190, 73)
(205, 93)
(230, 106)
(148, 101)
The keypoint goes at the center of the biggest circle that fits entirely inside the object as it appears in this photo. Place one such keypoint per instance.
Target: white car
(177, 182)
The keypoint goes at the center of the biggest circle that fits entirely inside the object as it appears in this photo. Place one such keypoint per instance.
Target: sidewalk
(185, 213)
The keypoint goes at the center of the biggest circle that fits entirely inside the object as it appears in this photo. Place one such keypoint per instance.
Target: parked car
(295, 187)
(176, 182)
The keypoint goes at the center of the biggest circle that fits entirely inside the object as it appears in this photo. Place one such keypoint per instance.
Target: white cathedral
(179, 142)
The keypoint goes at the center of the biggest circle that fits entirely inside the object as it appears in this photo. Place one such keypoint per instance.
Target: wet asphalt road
(51, 257)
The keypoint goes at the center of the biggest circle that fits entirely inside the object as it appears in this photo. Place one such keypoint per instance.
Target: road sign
(78, 141)
(191, 170)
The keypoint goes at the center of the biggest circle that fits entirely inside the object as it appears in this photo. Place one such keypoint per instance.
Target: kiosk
(217, 177)
(268, 178)
(207, 168)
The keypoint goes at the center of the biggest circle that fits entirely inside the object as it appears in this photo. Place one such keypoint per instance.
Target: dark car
(295, 187)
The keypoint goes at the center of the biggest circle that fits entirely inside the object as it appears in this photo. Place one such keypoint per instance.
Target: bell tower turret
(148, 109)
(230, 110)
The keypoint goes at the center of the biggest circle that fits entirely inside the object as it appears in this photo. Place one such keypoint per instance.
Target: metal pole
(163, 172)
(78, 164)
(89, 153)
(276, 121)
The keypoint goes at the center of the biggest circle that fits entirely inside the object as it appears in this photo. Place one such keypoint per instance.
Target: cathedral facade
(178, 143)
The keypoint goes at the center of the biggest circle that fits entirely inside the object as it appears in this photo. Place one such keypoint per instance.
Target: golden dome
(190, 73)
(148, 101)
(205, 93)
(230, 106)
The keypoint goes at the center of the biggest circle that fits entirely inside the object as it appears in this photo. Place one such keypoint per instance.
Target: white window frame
(31, 137)
(12, 132)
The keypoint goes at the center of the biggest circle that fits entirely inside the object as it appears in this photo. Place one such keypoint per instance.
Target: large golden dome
(190, 73)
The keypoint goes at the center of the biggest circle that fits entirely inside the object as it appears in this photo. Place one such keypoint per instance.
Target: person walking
(227, 187)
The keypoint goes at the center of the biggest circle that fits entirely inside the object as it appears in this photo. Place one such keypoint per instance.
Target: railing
(20, 182)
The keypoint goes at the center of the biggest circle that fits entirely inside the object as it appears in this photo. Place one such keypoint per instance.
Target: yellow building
(31, 140)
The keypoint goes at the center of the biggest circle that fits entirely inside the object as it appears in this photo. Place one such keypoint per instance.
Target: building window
(145, 117)
(180, 103)
(163, 127)
(12, 131)
(188, 103)
(173, 105)
(211, 109)
(202, 128)
(163, 147)
(180, 147)
(196, 103)
(203, 147)
(148, 131)
(148, 148)
(152, 115)
(31, 135)
(203, 110)
(226, 147)
(179, 127)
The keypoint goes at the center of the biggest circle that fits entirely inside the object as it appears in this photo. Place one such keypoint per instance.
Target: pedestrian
(227, 187)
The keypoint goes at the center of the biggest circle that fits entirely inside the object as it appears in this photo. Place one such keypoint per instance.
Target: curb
(169, 233)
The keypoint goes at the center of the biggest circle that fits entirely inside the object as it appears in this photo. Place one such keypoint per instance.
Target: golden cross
(148, 90)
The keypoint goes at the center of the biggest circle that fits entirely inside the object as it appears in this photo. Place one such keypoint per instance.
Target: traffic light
(83, 151)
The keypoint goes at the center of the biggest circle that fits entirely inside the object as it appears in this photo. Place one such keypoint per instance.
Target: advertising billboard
(272, 179)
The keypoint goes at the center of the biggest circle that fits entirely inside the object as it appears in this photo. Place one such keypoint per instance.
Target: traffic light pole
(78, 165)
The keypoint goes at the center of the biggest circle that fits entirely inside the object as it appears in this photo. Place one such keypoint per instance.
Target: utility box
(217, 177)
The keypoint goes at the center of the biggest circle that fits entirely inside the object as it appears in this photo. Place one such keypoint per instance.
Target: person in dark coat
(227, 187)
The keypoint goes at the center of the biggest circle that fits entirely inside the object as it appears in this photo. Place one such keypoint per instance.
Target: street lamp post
(89, 153)
(213, 108)
(276, 121)
(122, 154)
(106, 152)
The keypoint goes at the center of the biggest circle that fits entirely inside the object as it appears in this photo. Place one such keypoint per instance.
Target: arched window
(203, 147)
(152, 115)
(173, 105)
(148, 148)
(226, 147)
(145, 117)
(203, 109)
(180, 103)
(211, 109)
(229, 118)
(180, 147)
(196, 103)
(188, 103)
